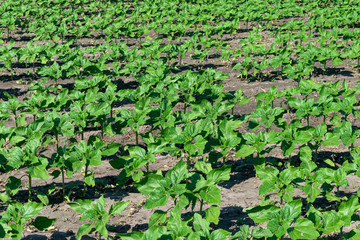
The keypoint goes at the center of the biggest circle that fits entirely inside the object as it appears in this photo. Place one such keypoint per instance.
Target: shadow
(128, 228)
(56, 236)
(24, 65)
(75, 190)
(193, 67)
(15, 77)
(231, 219)
(35, 237)
(332, 71)
(12, 91)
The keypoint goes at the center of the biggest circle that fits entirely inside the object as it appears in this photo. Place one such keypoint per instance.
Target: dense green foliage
(187, 112)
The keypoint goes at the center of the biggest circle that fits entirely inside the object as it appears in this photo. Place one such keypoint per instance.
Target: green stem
(85, 175)
(188, 161)
(63, 182)
(201, 206)
(102, 130)
(30, 187)
(308, 120)
(137, 138)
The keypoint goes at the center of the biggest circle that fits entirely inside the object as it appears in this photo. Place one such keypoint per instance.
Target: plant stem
(63, 182)
(85, 175)
(30, 188)
(137, 138)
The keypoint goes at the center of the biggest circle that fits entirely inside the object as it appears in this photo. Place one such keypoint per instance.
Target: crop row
(199, 134)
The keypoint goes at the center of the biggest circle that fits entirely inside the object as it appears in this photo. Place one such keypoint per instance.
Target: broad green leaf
(83, 229)
(291, 210)
(203, 166)
(81, 206)
(260, 214)
(158, 217)
(100, 226)
(211, 195)
(150, 183)
(201, 225)
(118, 207)
(245, 150)
(158, 197)
(39, 171)
(42, 197)
(90, 214)
(100, 204)
(353, 234)
(332, 222)
(259, 232)
(2, 231)
(89, 179)
(219, 234)
(337, 61)
(177, 173)
(13, 185)
(30, 209)
(242, 234)
(43, 223)
(347, 209)
(212, 214)
(131, 236)
(111, 149)
(219, 174)
(303, 229)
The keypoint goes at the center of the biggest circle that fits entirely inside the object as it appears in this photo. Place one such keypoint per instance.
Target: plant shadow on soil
(75, 189)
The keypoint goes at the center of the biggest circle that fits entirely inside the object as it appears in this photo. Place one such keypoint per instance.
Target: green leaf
(13, 185)
(211, 195)
(39, 171)
(242, 234)
(352, 235)
(245, 150)
(42, 197)
(259, 232)
(329, 162)
(90, 214)
(332, 222)
(2, 231)
(83, 229)
(260, 214)
(347, 209)
(158, 217)
(4, 197)
(219, 234)
(212, 214)
(118, 207)
(30, 209)
(201, 225)
(203, 166)
(150, 183)
(303, 229)
(337, 61)
(291, 210)
(177, 173)
(100, 204)
(158, 197)
(131, 236)
(100, 226)
(43, 223)
(89, 179)
(219, 174)
(111, 149)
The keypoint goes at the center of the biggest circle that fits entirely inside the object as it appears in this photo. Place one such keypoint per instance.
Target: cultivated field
(179, 119)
